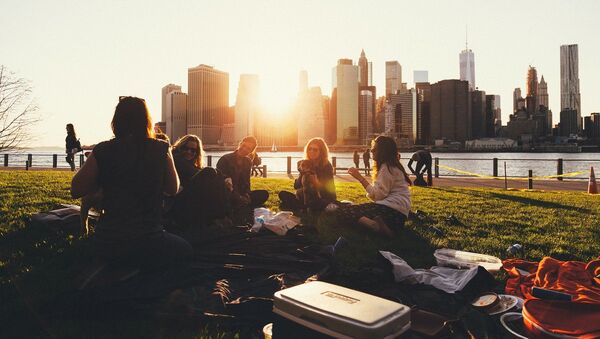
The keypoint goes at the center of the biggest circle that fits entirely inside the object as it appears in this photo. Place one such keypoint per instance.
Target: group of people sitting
(141, 177)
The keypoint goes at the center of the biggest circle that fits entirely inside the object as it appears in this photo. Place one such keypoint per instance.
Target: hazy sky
(81, 55)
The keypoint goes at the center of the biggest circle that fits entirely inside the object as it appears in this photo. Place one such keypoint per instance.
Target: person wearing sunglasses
(133, 170)
(187, 153)
(389, 192)
(205, 194)
(315, 187)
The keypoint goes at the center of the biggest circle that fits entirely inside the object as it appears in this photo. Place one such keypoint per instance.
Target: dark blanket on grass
(230, 279)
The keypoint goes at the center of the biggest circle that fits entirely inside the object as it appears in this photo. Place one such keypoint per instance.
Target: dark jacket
(238, 168)
(325, 176)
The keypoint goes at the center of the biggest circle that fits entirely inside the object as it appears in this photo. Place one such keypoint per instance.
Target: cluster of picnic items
(270, 277)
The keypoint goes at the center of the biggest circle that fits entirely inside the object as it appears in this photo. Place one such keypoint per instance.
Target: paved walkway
(546, 185)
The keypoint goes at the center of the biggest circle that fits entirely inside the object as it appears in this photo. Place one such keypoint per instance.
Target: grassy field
(37, 264)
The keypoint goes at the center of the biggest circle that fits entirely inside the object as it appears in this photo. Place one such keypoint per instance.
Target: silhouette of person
(356, 158)
(72, 146)
(133, 170)
(423, 159)
(367, 161)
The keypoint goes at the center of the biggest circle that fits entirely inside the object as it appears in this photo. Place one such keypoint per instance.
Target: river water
(517, 164)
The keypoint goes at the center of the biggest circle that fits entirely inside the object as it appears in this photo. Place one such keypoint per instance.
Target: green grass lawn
(36, 264)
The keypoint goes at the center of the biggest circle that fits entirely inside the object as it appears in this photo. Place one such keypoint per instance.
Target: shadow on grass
(517, 199)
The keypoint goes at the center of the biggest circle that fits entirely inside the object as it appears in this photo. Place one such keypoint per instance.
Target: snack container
(341, 312)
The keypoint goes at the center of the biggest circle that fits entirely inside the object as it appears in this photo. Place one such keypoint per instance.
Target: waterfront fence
(556, 169)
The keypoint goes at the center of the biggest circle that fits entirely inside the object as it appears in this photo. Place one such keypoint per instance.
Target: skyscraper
(365, 116)
(517, 100)
(542, 93)
(467, 67)
(423, 111)
(166, 90)
(420, 76)
(450, 111)
(478, 114)
(208, 102)
(344, 102)
(570, 98)
(247, 106)
(176, 115)
(365, 70)
(393, 77)
(532, 90)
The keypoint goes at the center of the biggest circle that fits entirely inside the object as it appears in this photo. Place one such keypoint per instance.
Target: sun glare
(277, 102)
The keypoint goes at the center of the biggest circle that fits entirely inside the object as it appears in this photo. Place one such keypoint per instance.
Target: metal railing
(479, 167)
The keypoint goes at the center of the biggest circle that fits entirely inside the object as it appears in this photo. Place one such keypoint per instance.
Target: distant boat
(274, 148)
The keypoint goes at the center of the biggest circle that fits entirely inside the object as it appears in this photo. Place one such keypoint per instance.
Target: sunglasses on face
(189, 149)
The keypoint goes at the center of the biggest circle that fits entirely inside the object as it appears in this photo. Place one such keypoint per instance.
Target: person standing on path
(356, 158)
(72, 146)
(367, 161)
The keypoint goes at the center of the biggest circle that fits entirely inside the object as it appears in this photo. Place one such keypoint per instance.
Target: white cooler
(341, 312)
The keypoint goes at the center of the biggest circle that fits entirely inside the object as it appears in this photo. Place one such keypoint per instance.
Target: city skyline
(86, 64)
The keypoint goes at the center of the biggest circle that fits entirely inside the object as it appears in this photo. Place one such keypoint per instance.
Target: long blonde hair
(181, 142)
(323, 151)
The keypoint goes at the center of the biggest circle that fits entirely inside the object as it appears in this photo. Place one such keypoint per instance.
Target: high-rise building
(423, 111)
(478, 114)
(467, 67)
(310, 116)
(345, 102)
(450, 111)
(247, 106)
(532, 90)
(518, 101)
(404, 122)
(420, 76)
(543, 93)
(493, 117)
(570, 98)
(166, 90)
(365, 70)
(592, 126)
(176, 115)
(365, 116)
(208, 102)
(568, 122)
(393, 77)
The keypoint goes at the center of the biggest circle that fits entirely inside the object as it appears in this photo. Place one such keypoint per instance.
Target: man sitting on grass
(237, 166)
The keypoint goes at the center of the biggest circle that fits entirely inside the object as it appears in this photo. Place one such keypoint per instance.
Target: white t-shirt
(390, 189)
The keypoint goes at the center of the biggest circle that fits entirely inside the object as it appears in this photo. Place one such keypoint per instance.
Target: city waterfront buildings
(176, 115)
(450, 111)
(570, 98)
(467, 67)
(166, 90)
(345, 102)
(247, 106)
(208, 102)
(420, 76)
(393, 77)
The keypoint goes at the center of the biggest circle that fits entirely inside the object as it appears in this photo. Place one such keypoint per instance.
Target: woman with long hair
(315, 187)
(133, 170)
(389, 192)
(72, 146)
(188, 153)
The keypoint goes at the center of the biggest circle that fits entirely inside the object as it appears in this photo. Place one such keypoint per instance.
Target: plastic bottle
(258, 224)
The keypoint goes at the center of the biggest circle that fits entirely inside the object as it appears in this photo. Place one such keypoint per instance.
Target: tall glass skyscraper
(570, 98)
(467, 67)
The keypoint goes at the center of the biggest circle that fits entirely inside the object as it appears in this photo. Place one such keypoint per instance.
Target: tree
(18, 111)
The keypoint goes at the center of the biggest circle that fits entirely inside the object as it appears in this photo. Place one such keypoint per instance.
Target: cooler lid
(340, 301)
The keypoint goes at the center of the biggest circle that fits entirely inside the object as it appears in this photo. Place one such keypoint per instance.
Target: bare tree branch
(18, 111)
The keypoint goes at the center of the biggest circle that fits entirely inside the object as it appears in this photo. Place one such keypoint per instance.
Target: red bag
(561, 319)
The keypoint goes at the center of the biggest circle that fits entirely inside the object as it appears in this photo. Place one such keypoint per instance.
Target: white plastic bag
(281, 222)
